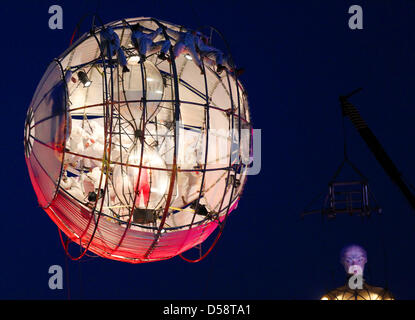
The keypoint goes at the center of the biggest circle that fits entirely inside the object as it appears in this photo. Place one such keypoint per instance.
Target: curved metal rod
(81, 20)
(100, 180)
(61, 148)
(207, 120)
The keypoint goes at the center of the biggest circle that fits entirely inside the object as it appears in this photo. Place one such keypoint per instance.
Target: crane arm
(350, 111)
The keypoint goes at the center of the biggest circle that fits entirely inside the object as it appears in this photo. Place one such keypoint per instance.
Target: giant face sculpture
(353, 258)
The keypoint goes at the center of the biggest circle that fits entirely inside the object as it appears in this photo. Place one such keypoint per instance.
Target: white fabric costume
(144, 42)
(110, 44)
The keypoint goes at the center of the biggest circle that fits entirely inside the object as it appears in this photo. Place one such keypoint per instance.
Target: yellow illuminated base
(367, 293)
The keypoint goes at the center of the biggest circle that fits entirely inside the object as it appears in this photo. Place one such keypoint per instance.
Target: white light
(83, 77)
(126, 180)
(188, 57)
(133, 59)
(158, 91)
(150, 79)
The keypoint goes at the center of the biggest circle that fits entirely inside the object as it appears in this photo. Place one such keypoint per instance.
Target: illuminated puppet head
(353, 258)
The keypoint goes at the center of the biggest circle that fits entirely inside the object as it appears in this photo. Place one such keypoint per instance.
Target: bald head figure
(353, 257)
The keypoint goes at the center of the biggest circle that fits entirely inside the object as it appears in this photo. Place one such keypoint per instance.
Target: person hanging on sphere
(145, 45)
(110, 45)
(213, 56)
(210, 54)
(186, 43)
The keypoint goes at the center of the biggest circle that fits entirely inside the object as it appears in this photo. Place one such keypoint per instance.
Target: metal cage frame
(87, 226)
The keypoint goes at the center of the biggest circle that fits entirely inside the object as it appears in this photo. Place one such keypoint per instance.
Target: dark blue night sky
(299, 57)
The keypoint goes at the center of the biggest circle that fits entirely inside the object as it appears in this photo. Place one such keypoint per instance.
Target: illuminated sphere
(137, 166)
